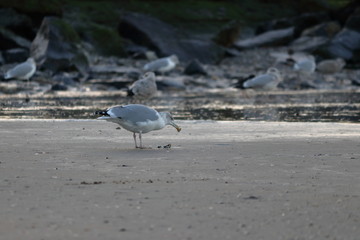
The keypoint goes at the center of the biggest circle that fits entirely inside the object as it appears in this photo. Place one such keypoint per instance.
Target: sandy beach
(79, 179)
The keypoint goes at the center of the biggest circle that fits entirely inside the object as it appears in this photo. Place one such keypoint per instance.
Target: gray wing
(133, 113)
(308, 66)
(144, 87)
(20, 70)
(155, 65)
(259, 81)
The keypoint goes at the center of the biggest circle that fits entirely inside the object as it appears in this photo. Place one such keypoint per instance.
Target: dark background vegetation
(198, 15)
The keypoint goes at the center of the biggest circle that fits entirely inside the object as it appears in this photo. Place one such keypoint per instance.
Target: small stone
(195, 67)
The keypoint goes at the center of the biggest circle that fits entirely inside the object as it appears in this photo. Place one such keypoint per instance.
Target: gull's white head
(306, 64)
(275, 72)
(174, 59)
(149, 75)
(31, 60)
(341, 62)
(169, 120)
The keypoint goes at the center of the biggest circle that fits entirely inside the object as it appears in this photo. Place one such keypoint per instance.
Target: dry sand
(220, 180)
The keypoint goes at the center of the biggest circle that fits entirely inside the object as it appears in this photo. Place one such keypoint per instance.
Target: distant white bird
(22, 71)
(162, 64)
(151, 55)
(144, 87)
(138, 118)
(331, 66)
(305, 65)
(267, 81)
(288, 57)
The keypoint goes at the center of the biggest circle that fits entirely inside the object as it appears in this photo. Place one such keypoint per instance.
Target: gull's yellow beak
(176, 126)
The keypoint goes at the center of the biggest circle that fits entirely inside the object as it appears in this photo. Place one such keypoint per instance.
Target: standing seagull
(23, 71)
(331, 66)
(162, 65)
(267, 81)
(138, 118)
(305, 66)
(144, 87)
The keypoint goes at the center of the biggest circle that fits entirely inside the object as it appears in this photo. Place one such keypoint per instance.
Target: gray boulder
(353, 22)
(66, 79)
(165, 40)
(346, 45)
(16, 55)
(326, 29)
(308, 43)
(9, 39)
(17, 23)
(194, 67)
(2, 60)
(57, 47)
(299, 23)
(229, 34)
(105, 40)
(270, 38)
(16, 30)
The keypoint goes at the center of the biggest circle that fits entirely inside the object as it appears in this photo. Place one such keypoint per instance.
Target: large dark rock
(326, 29)
(2, 60)
(136, 51)
(270, 38)
(353, 22)
(194, 67)
(229, 34)
(59, 87)
(105, 40)
(9, 40)
(15, 30)
(346, 45)
(342, 14)
(17, 23)
(299, 23)
(308, 44)
(165, 40)
(16, 55)
(66, 79)
(57, 47)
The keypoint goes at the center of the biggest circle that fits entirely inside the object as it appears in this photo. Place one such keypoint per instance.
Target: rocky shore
(73, 54)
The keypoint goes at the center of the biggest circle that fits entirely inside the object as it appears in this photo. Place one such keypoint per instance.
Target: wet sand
(219, 180)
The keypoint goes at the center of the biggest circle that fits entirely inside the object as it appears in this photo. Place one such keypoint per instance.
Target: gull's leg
(27, 97)
(298, 79)
(141, 146)
(134, 135)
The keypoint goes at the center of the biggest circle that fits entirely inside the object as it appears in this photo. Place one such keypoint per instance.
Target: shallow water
(325, 106)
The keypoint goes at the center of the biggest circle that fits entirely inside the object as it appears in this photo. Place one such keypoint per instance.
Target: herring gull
(162, 64)
(331, 66)
(22, 71)
(138, 118)
(144, 87)
(267, 81)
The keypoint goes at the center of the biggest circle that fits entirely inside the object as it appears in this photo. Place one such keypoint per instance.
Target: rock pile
(86, 56)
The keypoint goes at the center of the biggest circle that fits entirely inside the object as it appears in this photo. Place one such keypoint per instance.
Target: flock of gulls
(140, 119)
